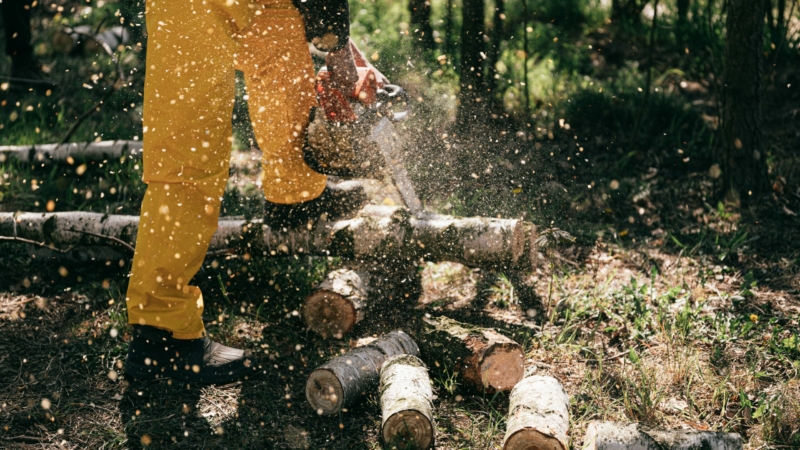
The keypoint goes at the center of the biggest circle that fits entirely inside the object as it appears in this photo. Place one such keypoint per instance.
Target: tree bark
(378, 232)
(683, 20)
(485, 359)
(497, 38)
(743, 148)
(337, 304)
(472, 86)
(406, 403)
(421, 23)
(610, 435)
(538, 415)
(342, 381)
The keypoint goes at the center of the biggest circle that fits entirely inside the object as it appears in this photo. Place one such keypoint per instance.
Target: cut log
(486, 359)
(341, 381)
(336, 304)
(538, 415)
(613, 436)
(89, 151)
(375, 233)
(406, 403)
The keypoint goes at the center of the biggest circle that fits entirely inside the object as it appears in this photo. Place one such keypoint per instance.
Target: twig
(116, 240)
(38, 244)
(23, 438)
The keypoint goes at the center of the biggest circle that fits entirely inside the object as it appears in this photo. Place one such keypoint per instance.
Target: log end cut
(503, 366)
(530, 439)
(408, 429)
(324, 392)
(329, 314)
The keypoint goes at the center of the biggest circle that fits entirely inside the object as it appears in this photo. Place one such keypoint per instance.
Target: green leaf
(633, 356)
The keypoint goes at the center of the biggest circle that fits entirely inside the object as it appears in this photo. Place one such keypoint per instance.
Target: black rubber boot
(337, 200)
(154, 353)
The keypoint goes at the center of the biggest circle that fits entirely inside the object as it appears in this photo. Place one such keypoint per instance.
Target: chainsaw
(352, 134)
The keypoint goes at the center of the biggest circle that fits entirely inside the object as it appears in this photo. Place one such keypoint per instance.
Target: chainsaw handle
(392, 93)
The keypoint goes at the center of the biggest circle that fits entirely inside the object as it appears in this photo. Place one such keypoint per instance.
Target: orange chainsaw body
(338, 105)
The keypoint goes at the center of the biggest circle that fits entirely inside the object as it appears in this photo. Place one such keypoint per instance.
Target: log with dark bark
(337, 304)
(538, 415)
(610, 435)
(375, 233)
(341, 381)
(406, 403)
(744, 165)
(485, 359)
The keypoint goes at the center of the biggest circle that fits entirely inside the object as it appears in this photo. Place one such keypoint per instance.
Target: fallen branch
(20, 240)
(90, 151)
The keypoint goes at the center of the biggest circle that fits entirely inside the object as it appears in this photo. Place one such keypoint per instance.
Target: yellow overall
(194, 46)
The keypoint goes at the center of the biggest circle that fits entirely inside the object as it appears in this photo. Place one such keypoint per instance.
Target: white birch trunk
(619, 436)
(376, 232)
(91, 151)
(538, 415)
(406, 403)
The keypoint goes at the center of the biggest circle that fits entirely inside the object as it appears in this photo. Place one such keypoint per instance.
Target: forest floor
(671, 309)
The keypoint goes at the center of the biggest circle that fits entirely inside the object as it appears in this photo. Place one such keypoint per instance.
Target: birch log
(538, 415)
(375, 233)
(485, 359)
(90, 151)
(406, 403)
(341, 381)
(614, 436)
(337, 304)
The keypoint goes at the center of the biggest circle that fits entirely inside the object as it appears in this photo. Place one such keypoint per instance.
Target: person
(25, 69)
(194, 47)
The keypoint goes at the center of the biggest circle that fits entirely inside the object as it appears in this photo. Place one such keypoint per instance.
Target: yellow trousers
(194, 47)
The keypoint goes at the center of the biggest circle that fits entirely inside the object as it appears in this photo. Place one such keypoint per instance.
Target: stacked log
(406, 403)
(341, 381)
(485, 359)
(337, 303)
(538, 416)
(610, 435)
(377, 232)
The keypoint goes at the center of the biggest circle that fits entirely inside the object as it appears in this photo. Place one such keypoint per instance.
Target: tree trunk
(743, 149)
(406, 403)
(448, 30)
(378, 232)
(485, 359)
(538, 415)
(683, 20)
(471, 80)
(337, 304)
(627, 12)
(610, 435)
(421, 23)
(341, 381)
(497, 38)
